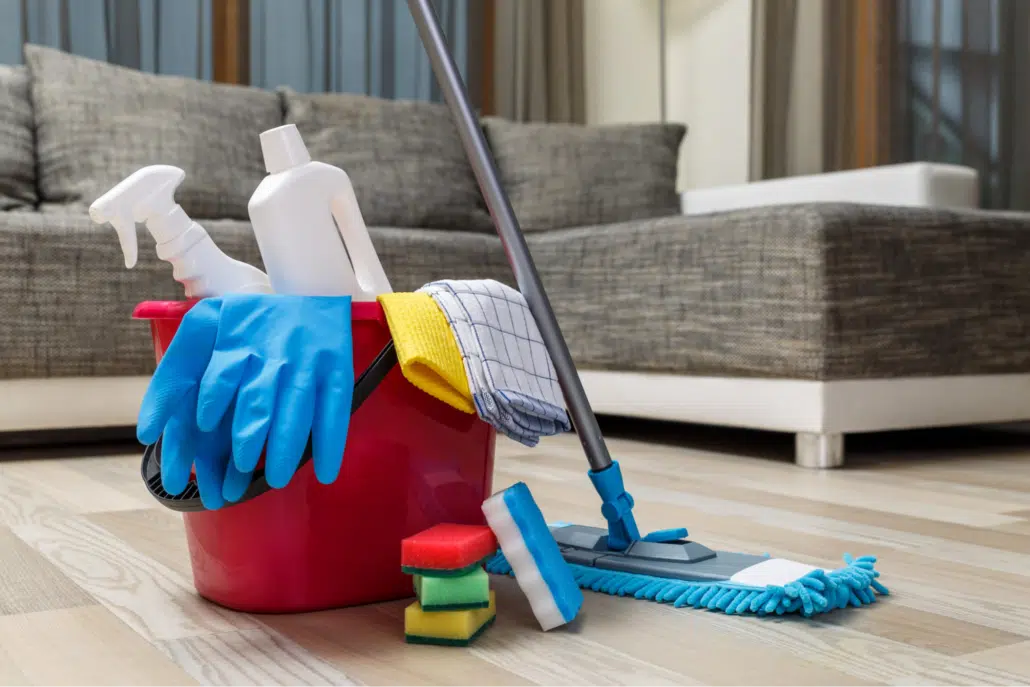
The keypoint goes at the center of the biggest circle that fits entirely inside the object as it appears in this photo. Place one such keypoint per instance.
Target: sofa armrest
(917, 184)
(818, 292)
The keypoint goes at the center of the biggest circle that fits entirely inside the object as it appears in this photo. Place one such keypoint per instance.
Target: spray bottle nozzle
(147, 192)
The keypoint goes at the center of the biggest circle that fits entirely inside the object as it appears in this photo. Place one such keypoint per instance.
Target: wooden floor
(95, 585)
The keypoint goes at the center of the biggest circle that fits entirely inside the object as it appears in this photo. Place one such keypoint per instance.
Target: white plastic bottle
(197, 263)
(309, 227)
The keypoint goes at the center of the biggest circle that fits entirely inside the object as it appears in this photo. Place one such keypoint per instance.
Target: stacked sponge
(455, 604)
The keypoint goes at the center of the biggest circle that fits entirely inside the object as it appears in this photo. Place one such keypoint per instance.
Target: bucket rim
(176, 310)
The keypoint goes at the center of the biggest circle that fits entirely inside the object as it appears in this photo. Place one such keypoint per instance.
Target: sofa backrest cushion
(17, 149)
(566, 175)
(404, 158)
(97, 123)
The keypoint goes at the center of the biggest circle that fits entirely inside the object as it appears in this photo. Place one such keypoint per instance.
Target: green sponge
(471, 590)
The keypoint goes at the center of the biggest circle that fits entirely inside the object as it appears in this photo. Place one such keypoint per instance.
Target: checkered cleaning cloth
(510, 373)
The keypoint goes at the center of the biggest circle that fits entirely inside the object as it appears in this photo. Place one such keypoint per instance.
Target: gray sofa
(818, 319)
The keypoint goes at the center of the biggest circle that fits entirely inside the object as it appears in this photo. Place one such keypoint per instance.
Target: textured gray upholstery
(820, 292)
(98, 123)
(66, 297)
(563, 175)
(404, 158)
(17, 150)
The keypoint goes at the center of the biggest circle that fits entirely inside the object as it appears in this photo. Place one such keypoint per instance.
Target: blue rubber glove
(287, 363)
(169, 410)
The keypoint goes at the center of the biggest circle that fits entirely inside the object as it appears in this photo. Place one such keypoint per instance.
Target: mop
(663, 566)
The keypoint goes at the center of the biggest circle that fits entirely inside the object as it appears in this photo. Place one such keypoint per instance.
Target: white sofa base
(28, 405)
(819, 413)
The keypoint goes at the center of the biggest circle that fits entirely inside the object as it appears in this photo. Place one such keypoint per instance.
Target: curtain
(787, 91)
(159, 36)
(894, 81)
(538, 60)
(357, 46)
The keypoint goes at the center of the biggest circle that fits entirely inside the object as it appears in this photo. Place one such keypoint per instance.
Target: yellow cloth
(428, 354)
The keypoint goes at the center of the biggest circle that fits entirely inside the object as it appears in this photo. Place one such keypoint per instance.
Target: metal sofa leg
(819, 451)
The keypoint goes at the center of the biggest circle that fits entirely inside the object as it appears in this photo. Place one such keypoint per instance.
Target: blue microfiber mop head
(536, 561)
(811, 592)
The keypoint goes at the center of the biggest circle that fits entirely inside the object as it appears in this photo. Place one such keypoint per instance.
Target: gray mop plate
(678, 560)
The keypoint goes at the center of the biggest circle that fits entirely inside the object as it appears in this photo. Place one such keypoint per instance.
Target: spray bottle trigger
(126, 229)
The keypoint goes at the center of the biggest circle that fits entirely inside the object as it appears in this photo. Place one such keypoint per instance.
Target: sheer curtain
(357, 46)
(538, 55)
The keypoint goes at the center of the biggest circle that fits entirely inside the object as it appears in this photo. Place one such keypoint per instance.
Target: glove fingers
(331, 422)
(291, 427)
(180, 369)
(213, 456)
(210, 476)
(178, 449)
(219, 386)
(236, 483)
(253, 416)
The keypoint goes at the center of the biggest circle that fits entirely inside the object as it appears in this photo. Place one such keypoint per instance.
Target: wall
(708, 70)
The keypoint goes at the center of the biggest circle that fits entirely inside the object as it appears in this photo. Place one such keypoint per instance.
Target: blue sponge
(526, 541)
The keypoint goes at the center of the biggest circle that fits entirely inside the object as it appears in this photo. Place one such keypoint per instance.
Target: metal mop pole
(514, 242)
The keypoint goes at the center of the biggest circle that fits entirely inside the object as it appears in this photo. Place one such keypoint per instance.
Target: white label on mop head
(775, 571)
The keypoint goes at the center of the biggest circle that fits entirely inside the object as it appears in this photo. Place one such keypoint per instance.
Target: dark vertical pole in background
(479, 31)
(901, 120)
(65, 27)
(935, 127)
(328, 28)
(1013, 72)
(488, 70)
(387, 50)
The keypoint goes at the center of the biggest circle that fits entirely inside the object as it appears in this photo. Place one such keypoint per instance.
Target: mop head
(536, 562)
(764, 586)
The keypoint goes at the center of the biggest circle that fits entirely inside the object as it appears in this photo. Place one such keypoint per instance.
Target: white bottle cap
(283, 148)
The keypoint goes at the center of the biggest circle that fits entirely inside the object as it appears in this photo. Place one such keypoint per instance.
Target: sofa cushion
(66, 297)
(814, 292)
(17, 149)
(404, 158)
(98, 123)
(564, 175)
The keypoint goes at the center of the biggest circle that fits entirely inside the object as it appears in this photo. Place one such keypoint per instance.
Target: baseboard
(790, 405)
(70, 402)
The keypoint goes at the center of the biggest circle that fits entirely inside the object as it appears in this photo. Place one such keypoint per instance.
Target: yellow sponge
(454, 628)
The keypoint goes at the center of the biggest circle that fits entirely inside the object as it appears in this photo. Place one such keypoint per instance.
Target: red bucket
(411, 462)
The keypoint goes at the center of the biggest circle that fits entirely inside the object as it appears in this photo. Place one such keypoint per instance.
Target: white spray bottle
(309, 227)
(197, 263)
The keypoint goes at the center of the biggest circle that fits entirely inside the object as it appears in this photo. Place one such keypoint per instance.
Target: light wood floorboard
(96, 585)
(81, 646)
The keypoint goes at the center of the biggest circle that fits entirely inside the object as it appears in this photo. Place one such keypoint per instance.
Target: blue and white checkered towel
(510, 373)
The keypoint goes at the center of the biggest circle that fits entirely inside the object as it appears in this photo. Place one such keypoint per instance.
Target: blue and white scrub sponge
(528, 545)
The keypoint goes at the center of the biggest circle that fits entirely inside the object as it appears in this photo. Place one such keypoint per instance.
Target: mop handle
(514, 242)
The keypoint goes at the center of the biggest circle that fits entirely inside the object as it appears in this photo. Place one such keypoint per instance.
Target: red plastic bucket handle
(189, 500)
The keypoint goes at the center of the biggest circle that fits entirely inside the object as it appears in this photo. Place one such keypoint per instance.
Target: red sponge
(447, 548)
